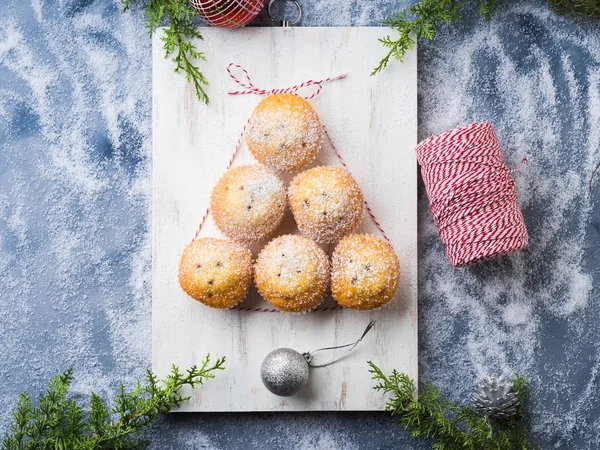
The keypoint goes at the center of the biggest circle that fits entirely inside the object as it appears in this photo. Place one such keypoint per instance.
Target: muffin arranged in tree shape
(365, 272)
(248, 203)
(292, 273)
(326, 202)
(284, 133)
(216, 272)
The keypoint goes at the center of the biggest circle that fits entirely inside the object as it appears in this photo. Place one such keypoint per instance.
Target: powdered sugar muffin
(326, 202)
(365, 272)
(216, 272)
(284, 132)
(248, 203)
(292, 273)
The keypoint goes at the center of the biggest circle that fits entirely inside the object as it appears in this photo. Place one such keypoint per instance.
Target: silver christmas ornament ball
(495, 397)
(284, 372)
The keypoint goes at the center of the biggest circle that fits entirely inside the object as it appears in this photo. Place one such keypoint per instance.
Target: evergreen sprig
(583, 8)
(424, 19)
(421, 20)
(177, 37)
(432, 416)
(59, 423)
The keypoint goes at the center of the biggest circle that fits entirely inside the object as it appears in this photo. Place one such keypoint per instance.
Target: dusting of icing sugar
(78, 274)
(536, 76)
(365, 272)
(248, 203)
(326, 202)
(216, 272)
(292, 273)
(284, 132)
(468, 325)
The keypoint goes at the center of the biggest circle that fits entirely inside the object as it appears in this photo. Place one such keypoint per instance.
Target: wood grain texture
(373, 122)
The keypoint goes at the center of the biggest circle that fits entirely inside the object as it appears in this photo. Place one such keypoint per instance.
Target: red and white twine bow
(251, 89)
(472, 194)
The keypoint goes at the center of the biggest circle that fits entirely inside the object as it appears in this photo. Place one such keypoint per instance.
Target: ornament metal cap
(285, 371)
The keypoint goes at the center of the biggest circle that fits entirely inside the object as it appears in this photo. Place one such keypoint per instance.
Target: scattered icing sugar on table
(74, 215)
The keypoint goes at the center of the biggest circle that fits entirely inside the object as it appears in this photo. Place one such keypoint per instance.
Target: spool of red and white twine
(472, 194)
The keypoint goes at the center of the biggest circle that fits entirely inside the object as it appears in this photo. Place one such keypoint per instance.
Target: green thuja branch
(425, 18)
(59, 423)
(421, 20)
(584, 8)
(177, 37)
(431, 416)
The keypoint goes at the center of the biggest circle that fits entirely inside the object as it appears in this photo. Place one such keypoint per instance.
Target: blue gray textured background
(75, 139)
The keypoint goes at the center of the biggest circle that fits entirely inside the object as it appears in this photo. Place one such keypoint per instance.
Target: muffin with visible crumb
(365, 272)
(326, 202)
(216, 272)
(292, 273)
(284, 133)
(248, 203)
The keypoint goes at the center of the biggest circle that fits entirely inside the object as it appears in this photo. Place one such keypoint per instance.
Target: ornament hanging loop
(309, 355)
(285, 23)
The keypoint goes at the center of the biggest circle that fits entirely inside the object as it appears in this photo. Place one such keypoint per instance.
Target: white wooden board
(373, 122)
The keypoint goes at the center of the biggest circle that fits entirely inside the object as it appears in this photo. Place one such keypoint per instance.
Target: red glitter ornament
(228, 13)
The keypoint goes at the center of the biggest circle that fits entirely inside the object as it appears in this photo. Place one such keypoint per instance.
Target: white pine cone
(495, 397)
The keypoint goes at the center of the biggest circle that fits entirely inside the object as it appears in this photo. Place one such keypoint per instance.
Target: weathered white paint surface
(373, 122)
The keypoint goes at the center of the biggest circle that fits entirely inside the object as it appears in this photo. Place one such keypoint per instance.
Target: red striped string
(242, 308)
(235, 153)
(367, 207)
(251, 89)
(472, 195)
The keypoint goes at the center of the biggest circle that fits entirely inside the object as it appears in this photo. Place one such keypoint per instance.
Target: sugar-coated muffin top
(365, 272)
(284, 133)
(326, 202)
(216, 272)
(248, 203)
(292, 273)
